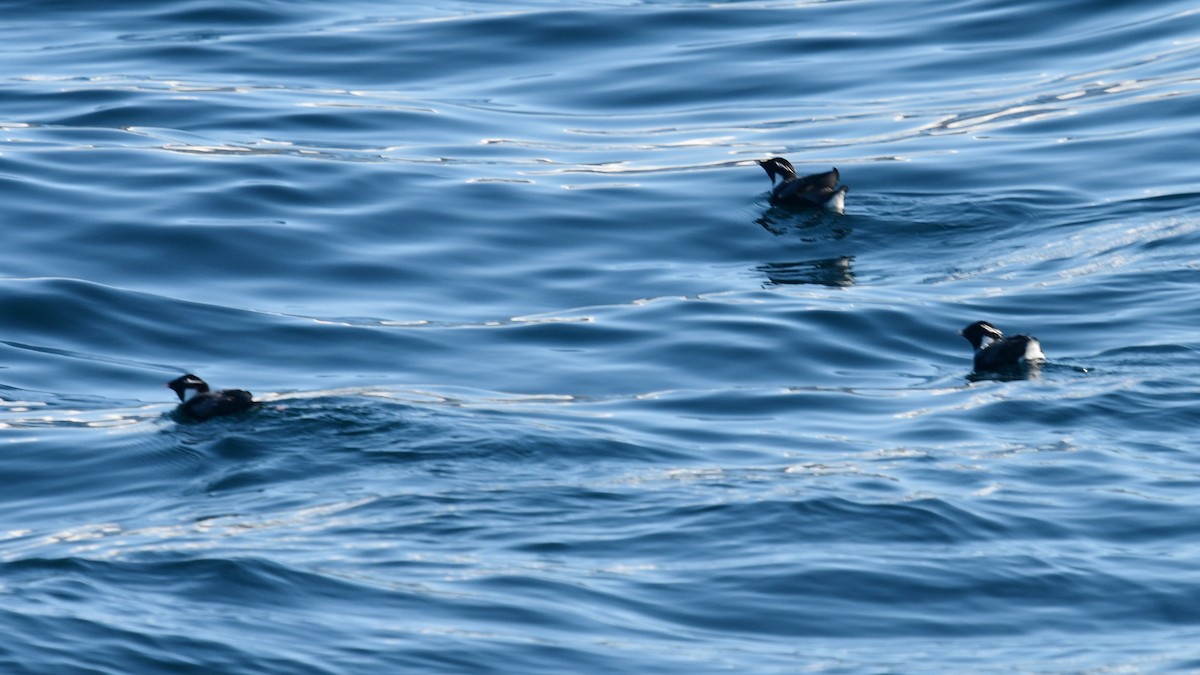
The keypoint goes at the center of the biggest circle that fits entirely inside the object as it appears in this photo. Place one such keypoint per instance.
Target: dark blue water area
(549, 386)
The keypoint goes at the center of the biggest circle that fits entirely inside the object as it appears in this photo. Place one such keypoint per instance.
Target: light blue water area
(548, 384)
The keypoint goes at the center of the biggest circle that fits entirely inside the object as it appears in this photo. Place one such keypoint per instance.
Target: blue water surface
(549, 386)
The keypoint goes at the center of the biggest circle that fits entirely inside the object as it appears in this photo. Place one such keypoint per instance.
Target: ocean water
(549, 386)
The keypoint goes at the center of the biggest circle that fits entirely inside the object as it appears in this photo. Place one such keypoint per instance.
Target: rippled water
(549, 386)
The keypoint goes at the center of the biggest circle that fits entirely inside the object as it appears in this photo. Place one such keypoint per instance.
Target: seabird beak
(769, 167)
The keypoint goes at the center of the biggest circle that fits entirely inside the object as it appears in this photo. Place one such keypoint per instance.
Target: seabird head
(979, 331)
(778, 166)
(181, 385)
